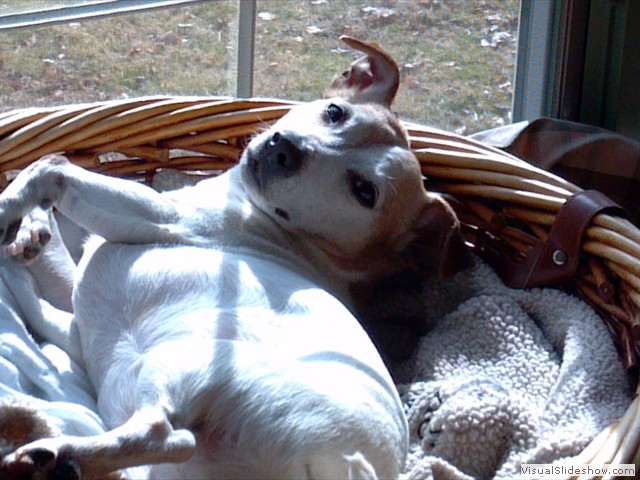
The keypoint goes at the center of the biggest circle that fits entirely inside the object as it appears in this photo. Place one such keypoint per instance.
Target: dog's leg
(116, 209)
(52, 267)
(146, 438)
(44, 297)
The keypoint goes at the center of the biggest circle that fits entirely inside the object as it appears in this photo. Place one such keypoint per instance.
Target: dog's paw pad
(432, 424)
(12, 229)
(40, 457)
(37, 462)
(30, 237)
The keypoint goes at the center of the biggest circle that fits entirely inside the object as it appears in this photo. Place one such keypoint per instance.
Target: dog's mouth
(282, 214)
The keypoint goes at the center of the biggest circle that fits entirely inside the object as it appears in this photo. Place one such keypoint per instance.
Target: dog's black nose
(283, 155)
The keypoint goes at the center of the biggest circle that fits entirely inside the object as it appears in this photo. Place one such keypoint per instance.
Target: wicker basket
(506, 205)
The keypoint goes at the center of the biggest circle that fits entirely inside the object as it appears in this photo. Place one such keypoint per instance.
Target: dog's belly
(173, 309)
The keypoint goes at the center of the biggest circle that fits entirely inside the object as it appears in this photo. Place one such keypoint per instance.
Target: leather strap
(555, 261)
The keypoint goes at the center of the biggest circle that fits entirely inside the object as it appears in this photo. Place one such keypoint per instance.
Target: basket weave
(134, 138)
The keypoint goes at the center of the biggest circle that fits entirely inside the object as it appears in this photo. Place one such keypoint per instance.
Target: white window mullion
(246, 47)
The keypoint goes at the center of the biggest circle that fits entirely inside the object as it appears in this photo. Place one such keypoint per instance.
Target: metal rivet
(560, 257)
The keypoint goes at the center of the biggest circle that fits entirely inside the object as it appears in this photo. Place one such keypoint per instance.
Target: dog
(215, 322)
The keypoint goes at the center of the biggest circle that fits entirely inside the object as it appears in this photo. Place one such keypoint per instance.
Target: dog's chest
(191, 291)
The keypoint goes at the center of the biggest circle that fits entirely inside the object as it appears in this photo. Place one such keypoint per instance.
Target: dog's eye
(365, 191)
(334, 113)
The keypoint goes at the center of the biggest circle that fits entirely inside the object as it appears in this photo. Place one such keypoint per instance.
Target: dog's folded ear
(374, 78)
(437, 242)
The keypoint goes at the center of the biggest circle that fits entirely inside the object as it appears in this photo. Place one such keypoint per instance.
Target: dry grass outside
(457, 56)
(181, 51)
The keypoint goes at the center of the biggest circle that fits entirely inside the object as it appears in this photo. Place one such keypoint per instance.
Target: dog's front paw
(39, 185)
(35, 461)
(34, 232)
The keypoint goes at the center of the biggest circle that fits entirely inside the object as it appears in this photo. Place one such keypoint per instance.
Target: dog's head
(340, 174)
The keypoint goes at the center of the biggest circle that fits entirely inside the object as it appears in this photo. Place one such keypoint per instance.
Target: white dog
(207, 318)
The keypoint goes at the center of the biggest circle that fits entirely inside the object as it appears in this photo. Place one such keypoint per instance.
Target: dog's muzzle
(277, 157)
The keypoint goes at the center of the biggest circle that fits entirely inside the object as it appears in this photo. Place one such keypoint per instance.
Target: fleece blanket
(34, 372)
(506, 377)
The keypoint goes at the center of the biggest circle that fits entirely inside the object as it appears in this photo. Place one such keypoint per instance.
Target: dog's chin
(256, 190)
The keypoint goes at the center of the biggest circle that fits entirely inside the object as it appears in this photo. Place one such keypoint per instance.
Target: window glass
(456, 57)
(178, 51)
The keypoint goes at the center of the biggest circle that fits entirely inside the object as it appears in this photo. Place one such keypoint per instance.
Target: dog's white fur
(207, 317)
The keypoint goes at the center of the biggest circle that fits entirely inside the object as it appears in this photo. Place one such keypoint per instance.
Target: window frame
(550, 61)
(577, 60)
(89, 10)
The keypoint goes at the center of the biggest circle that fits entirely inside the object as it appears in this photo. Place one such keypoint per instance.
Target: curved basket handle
(555, 261)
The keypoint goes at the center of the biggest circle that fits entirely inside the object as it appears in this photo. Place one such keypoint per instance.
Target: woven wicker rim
(487, 186)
